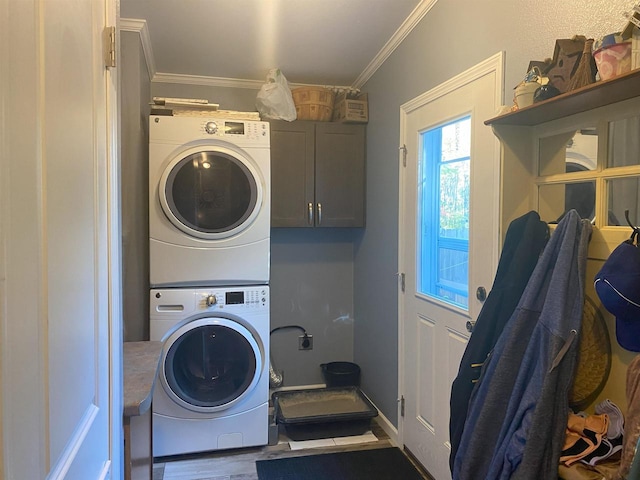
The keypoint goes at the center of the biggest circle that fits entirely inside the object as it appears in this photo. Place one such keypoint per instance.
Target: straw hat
(594, 357)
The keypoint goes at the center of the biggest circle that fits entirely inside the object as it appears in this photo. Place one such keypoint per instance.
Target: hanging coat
(523, 244)
(518, 411)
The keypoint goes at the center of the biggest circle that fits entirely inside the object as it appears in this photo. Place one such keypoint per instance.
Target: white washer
(209, 201)
(213, 388)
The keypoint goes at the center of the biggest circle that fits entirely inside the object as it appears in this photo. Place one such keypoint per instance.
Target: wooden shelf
(586, 98)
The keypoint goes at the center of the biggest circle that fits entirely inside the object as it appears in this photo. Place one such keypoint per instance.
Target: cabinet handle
(310, 213)
(319, 213)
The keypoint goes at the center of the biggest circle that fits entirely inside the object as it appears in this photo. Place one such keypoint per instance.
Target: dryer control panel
(236, 129)
(183, 129)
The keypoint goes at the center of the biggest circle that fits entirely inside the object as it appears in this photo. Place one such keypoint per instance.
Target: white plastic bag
(274, 100)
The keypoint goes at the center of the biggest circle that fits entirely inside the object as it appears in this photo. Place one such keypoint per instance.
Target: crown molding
(226, 82)
(394, 42)
(140, 27)
(206, 81)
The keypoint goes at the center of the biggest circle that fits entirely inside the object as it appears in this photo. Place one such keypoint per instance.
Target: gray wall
(454, 36)
(134, 111)
(241, 99)
(311, 286)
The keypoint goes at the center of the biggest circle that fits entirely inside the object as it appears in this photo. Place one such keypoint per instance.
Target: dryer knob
(211, 300)
(211, 127)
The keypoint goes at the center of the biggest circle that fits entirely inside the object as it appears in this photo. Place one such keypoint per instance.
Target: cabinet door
(292, 156)
(340, 174)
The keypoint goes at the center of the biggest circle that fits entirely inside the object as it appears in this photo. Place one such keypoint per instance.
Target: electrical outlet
(305, 342)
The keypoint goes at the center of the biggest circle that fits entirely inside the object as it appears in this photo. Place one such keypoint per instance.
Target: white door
(59, 244)
(448, 235)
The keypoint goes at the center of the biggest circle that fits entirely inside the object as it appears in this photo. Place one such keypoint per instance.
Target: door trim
(494, 64)
(116, 468)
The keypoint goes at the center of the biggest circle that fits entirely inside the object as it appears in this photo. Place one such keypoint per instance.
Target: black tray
(323, 412)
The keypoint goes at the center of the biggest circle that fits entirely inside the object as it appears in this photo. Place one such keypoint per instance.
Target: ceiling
(319, 42)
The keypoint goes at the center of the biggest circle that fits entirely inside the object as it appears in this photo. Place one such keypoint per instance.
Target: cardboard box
(351, 109)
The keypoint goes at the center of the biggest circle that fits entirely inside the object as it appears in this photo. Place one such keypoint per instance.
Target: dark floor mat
(374, 464)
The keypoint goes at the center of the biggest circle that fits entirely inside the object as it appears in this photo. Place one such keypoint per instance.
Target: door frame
(494, 64)
(114, 214)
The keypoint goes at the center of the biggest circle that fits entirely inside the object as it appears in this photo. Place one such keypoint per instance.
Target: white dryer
(213, 385)
(209, 201)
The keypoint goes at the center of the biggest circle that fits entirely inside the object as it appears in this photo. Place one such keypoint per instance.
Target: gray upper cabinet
(317, 174)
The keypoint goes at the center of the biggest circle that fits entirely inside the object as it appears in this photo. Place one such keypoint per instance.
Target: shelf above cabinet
(592, 96)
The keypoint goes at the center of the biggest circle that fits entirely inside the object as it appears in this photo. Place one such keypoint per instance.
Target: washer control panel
(244, 297)
(173, 307)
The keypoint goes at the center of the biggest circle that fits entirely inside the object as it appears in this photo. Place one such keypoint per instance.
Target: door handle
(470, 325)
(319, 213)
(481, 294)
(310, 213)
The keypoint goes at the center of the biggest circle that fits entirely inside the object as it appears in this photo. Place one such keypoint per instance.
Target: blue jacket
(518, 410)
(525, 239)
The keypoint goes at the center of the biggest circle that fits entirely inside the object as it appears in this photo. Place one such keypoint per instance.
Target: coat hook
(636, 230)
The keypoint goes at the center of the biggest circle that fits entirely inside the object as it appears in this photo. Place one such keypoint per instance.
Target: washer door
(211, 192)
(210, 364)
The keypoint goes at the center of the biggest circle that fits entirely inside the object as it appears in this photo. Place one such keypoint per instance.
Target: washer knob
(211, 127)
(211, 300)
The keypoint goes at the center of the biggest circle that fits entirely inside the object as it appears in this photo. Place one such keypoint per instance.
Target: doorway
(448, 246)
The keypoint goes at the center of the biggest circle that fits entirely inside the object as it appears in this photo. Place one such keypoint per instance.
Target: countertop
(141, 361)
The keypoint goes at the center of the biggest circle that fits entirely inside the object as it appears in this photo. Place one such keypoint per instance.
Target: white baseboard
(385, 424)
(388, 427)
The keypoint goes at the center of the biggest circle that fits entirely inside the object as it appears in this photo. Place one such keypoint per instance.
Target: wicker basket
(313, 103)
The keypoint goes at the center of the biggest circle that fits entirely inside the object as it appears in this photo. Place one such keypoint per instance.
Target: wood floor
(240, 464)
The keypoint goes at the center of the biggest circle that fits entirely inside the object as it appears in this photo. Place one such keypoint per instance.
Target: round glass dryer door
(211, 194)
(211, 364)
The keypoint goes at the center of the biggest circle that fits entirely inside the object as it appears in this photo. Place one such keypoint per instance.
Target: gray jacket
(518, 410)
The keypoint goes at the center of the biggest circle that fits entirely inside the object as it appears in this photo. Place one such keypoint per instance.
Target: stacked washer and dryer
(209, 240)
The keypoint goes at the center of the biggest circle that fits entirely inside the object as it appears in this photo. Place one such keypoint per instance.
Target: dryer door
(211, 193)
(210, 364)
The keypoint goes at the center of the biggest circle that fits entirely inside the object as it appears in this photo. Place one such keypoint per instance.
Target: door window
(210, 365)
(211, 192)
(443, 216)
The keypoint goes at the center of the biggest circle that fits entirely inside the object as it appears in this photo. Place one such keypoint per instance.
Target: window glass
(623, 194)
(568, 152)
(557, 199)
(624, 142)
(456, 140)
(443, 243)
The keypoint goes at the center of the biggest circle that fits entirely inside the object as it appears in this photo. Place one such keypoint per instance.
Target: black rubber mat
(374, 464)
